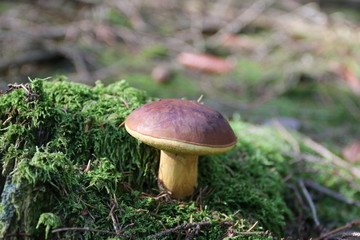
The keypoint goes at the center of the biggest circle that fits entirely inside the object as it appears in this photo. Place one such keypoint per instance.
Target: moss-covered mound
(70, 171)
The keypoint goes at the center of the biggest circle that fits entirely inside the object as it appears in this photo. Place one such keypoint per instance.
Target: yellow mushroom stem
(178, 173)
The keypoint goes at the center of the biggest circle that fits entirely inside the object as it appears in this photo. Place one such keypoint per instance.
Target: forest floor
(266, 62)
(277, 59)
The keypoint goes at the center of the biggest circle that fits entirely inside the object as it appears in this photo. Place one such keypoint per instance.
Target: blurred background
(290, 61)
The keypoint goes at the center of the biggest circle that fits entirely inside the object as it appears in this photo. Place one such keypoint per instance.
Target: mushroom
(182, 130)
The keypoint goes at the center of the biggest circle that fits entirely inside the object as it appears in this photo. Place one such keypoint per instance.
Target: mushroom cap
(181, 126)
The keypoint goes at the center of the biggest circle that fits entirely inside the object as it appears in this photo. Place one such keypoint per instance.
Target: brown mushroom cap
(181, 126)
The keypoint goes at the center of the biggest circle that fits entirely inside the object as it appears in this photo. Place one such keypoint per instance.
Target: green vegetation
(67, 162)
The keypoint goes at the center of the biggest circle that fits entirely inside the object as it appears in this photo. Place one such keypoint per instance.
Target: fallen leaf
(351, 79)
(239, 42)
(205, 62)
(352, 152)
(140, 210)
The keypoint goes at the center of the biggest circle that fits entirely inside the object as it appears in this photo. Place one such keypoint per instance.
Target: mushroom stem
(178, 173)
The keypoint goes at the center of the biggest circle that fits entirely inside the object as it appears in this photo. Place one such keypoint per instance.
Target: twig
(114, 195)
(87, 167)
(289, 138)
(253, 226)
(18, 235)
(125, 102)
(114, 221)
(313, 159)
(193, 233)
(83, 229)
(203, 192)
(8, 36)
(29, 94)
(266, 233)
(182, 227)
(321, 160)
(299, 200)
(121, 124)
(332, 157)
(331, 193)
(249, 15)
(30, 56)
(347, 226)
(310, 202)
(77, 58)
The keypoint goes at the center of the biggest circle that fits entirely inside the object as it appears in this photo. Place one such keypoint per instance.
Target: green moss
(67, 162)
(50, 221)
(249, 178)
(45, 142)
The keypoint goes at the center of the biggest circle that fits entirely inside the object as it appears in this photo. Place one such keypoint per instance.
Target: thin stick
(331, 193)
(121, 124)
(289, 138)
(182, 227)
(252, 233)
(125, 102)
(193, 233)
(18, 235)
(30, 56)
(249, 15)
(310, 202)
(87, 167)
(320, 160)
(347, 226)
(332, 157)
(83, 229)
(253, 226)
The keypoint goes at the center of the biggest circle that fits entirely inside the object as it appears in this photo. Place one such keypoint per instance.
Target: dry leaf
(205, 62)
(352, 152)
(351, 79)
(239, 42)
